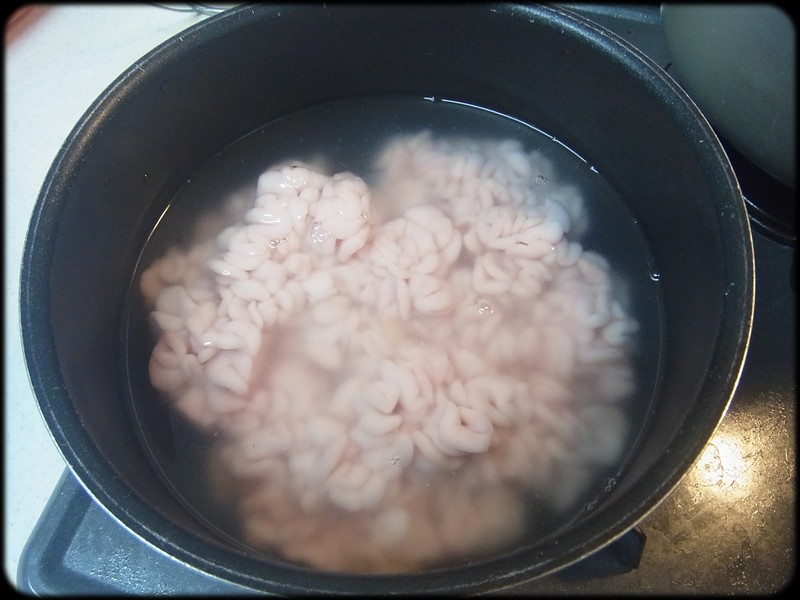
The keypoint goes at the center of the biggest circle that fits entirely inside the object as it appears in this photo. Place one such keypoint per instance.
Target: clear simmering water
(387, 334)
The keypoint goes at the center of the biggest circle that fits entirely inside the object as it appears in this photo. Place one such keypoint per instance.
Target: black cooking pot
(234, 72)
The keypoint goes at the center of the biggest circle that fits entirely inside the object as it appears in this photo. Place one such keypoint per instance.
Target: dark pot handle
(617, 558)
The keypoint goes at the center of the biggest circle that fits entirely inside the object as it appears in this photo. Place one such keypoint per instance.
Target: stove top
(728, 528)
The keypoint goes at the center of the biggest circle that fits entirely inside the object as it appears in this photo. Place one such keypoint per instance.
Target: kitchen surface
(728, 528)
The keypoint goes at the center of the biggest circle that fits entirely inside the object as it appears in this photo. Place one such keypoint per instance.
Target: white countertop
(58, 59)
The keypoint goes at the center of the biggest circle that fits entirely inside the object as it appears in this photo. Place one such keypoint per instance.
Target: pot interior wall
(228, 76)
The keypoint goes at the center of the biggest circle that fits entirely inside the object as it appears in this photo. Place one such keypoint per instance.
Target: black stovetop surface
(728, 528)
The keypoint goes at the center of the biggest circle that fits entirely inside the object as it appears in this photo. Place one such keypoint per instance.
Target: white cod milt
(393, 371)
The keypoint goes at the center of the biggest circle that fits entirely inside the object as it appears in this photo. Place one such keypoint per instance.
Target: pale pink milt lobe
(389, 370)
